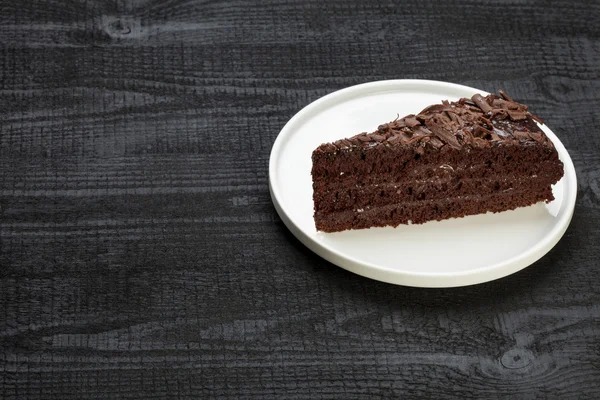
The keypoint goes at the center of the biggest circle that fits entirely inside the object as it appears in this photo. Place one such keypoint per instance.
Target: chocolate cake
(451, 160)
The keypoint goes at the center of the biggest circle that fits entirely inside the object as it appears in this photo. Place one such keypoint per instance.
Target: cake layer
(437, 188)
(419, 212)
(375, 163)
(329, 191)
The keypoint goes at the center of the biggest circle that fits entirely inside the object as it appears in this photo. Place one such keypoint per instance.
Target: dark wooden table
(141, 256)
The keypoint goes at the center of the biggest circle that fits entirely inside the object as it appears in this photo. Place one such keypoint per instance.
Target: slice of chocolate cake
(451, 160)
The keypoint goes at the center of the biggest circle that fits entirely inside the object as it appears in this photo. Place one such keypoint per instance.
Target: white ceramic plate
(454, 252)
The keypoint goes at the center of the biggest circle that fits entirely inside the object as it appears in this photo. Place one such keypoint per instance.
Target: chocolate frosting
(475, 122)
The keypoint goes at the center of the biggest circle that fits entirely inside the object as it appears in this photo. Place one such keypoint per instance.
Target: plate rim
(410, 278)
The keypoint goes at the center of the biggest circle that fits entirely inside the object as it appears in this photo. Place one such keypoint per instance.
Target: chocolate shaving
(330, 147)
(537, 136)
(482, 132)
(521, 135)
(436, 143)
(448, 115)
(481, 103)
(394, 139)
(498, 113)
(504, 95)
(414, 139)
(422, 131)
(474, 109)
(517, 115)
(423, 117)
(377, 138)
(486, 121)
(499, 103)
(466, 136)
(434, 108)
(445, 135)
(411, 122)
(455, 118)
(445, 119)
(516, 106)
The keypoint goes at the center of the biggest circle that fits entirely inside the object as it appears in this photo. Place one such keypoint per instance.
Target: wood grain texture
(140, 254)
